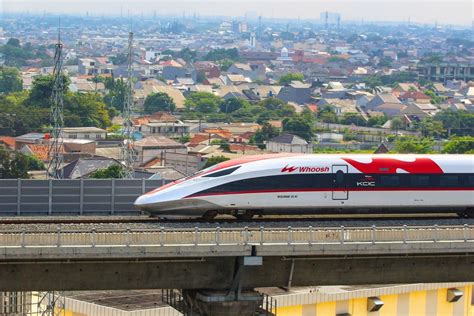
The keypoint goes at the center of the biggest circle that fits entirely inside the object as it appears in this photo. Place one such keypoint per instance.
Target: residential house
(151, 86)
(414, 96)
(161, 124)
(289, 143)
(231, 79)
(341, 106)
(8, 142)
(83, 167)
(185, 163)
(404, 87)
(151, 147)
(296, 92)
(84, 85)
(391, 109)
(40, 151)
(84, 133)
(208, 68)
(380, 99)
(95, 66)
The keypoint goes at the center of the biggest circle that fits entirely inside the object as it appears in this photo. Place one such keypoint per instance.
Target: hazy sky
(458, 12)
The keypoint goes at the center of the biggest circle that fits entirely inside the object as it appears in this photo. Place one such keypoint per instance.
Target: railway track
(107, 222)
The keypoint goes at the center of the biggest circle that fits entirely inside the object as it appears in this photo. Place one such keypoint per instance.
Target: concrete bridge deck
(206, 258)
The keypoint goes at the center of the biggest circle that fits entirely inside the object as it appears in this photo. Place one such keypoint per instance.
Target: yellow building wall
(443, 306)
(417, 303)
(358, 307)
(328, 308)
(389, 305)
(290, 310)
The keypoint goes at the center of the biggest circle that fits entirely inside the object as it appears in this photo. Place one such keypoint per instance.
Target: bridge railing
(163, 237)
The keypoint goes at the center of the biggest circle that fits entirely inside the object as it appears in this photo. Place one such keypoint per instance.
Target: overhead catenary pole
(55, 148)
(128, 153)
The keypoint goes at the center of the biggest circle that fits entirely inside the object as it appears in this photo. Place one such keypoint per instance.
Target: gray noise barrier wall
(20, 197)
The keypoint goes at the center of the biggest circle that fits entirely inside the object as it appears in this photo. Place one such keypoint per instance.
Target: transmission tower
(57, 120)
(128, 153)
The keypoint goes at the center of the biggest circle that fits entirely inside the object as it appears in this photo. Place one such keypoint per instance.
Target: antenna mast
(128, 153)
(57, 119)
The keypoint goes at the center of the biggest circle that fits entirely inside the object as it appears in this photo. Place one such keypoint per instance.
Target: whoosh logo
(305, 169)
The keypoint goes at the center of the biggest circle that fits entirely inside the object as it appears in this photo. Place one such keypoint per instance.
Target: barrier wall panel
(32, 197)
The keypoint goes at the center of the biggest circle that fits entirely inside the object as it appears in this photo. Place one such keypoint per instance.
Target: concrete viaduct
(216, 265)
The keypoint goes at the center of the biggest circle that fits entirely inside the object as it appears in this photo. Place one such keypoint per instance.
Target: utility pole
(57, 119)
(128, 153)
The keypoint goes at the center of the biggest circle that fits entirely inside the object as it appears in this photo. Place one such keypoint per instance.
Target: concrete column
(223, 303)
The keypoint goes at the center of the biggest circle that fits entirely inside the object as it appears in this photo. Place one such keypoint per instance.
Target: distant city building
(460, 69)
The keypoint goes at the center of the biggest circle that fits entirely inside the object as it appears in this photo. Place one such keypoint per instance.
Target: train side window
(420, 180)
(470, 180)
(448, 181)
(339, 179)
(221, 173)
(390, 181)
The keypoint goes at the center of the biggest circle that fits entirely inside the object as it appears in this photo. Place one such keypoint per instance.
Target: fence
(72, 197)
(235, 236)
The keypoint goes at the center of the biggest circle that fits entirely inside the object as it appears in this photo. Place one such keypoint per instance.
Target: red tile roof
(39, 151)
(313, 108)
(219, 132)
(7, 140)
(197, 139)
(414, 95)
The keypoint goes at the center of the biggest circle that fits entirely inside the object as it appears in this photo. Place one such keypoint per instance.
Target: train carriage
(320, 184)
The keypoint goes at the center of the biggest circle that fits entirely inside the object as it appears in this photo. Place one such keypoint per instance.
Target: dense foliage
(10, 80)
(27, 111)
(159, 102)
(15, 165)
(112, 172)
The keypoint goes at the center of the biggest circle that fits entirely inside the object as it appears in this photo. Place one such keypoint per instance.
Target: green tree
(233, 104)
(271, 104)
(298, 126)
(288, 78)
(203, 102)
(222, 53)
(353, 118)
(266, 132)
(13, 42)
(10, 80)
(456, 122)
(397, 124)
(327, 114)
(459, 145)
(412, 145)
(430, 127)
(34, 163)
(225, 64)
(214, 161)
(13, 165)
(377, 120)
(159, 102)
(385, 62)
(112, 172)
(117, 90)
(85, 109)
(373, 82)
(244, 114)
(40, 94)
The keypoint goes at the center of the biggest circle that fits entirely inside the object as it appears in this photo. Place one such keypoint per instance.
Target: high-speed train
(320, 184)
